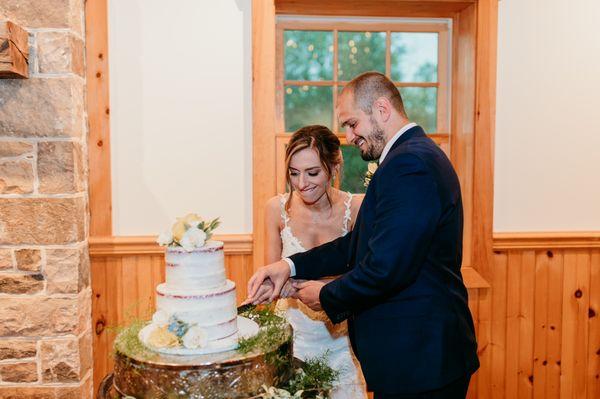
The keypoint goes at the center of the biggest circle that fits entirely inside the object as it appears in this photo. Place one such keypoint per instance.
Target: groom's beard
(375, 141)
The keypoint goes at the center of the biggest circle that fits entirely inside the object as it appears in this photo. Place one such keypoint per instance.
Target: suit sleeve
(406, 216)
(329, 259)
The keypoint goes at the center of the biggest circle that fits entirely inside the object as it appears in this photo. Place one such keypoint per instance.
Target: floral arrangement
(189, 232)
(371, 168)
(170, 332)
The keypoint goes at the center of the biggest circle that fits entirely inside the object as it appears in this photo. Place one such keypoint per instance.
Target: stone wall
(45, 294)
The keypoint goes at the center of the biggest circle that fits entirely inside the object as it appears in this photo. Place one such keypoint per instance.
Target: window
(317, 56)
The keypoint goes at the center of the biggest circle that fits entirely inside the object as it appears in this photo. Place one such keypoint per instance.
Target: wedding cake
(196, 309)
(197, 346)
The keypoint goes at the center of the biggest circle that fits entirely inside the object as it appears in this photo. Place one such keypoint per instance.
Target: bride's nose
(302, 183)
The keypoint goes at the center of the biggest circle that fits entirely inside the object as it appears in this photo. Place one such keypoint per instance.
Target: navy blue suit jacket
(401, 287)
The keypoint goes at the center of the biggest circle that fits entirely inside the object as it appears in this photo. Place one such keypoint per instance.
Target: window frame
(441, 26)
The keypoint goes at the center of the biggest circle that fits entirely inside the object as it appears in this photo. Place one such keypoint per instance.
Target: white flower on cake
(193, 238)
(189, 232)
(195, 337)
(165, 238)
(160, 318)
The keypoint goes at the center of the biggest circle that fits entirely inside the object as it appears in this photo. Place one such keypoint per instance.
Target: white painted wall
(181, 130)
(180, 78)
(547, 171)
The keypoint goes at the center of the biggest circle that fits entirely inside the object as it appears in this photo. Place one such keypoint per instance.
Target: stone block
(82, 391)
(67, 270)
(29, 260)
(17, 349)
(6, 259)
(19, 372)
(45, 14)
(16, 283)
(14, 51)
(41, 221)
(16, 177)
(37, 107)
(15, 149)
(60, 360)
(39, 316)
(59, 52)
(60, 167)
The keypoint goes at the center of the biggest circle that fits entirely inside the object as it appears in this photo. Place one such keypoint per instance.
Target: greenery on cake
(189, 232)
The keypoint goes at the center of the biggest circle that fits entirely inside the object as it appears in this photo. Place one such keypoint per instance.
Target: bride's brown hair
(324, 142)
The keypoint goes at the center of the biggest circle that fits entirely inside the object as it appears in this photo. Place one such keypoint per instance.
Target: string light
(367, 34)
(290, 43)
(354, 50)
(289, 90)
(311, 47)
(351, 43)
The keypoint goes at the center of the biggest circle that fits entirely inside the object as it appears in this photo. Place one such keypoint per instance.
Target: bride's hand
(288, 289)
(263, 294)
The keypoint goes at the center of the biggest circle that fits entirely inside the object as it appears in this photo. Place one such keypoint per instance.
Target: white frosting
(201, 269)
(197, 291)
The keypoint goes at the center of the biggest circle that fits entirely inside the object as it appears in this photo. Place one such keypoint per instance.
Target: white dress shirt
(386, 149)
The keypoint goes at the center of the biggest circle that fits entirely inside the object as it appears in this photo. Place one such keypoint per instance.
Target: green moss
(128, 343)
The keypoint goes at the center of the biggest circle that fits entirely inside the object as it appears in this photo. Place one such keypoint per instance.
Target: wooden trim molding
(550, 240)
(263, 117)
(235, 244)
(473, 279)
(98, 110)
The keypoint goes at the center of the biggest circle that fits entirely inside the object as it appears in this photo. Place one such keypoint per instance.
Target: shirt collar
(396, 136)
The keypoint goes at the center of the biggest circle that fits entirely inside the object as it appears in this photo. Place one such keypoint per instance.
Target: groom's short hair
(370, 86)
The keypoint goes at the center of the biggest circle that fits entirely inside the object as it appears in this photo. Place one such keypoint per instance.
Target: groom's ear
(383, 108)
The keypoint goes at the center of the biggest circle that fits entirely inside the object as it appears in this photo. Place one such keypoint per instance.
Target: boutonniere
(371, 168)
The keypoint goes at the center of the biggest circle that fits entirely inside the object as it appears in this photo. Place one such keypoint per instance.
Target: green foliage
(313, 377)
(353, 171)
(274, 330)
(209, 227)
(128, 343)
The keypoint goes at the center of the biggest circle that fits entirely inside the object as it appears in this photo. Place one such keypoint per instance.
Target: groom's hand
(277, 272)
(308, 293)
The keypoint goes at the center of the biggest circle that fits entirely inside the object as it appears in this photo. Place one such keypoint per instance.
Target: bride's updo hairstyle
(326, 145)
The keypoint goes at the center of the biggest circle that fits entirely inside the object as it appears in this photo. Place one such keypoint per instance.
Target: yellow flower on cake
(179, 229)
(161, 337)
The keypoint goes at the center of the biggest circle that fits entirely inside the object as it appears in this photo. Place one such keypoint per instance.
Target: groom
(400, 287)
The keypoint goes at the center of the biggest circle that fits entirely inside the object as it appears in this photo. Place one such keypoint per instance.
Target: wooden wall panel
(123, 290)
(540, 338)
(544, 326)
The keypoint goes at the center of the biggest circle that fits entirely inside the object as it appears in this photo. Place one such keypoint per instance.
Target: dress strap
(284, 214)
(347, 214)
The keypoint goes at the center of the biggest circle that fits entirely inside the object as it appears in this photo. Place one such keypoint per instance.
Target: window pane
(414, 57)
(308, 105)
(354, 170)
(360, 52)
(308, 55)
(421, 106)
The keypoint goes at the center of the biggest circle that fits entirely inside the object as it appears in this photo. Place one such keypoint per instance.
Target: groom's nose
(350, 136)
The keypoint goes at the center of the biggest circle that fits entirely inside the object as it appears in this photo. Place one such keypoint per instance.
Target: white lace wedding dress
(314, 333)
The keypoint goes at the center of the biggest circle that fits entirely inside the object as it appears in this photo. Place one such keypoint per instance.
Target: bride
(311, 214)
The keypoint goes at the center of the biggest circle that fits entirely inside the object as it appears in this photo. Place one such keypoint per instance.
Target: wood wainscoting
(538, 326)
(538, 322)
